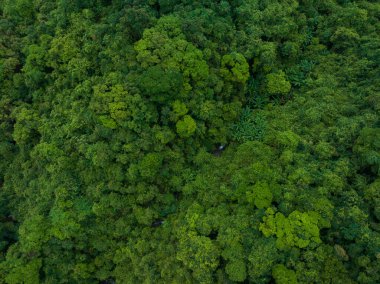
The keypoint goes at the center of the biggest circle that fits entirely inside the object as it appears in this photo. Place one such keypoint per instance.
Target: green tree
(186, 126)
(277, 83)
(283, 275)
(296, 230)
(235, 68)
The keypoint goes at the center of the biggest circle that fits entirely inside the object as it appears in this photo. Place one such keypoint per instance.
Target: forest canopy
(178, 141)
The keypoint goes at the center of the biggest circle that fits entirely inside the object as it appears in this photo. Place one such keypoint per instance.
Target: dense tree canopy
(178, 141)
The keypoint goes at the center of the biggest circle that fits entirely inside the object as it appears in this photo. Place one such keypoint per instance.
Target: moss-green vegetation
(178, 141)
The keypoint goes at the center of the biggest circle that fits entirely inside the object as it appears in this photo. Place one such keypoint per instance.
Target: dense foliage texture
(184, 141)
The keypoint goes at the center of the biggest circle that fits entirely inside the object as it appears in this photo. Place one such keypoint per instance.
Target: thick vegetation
(183, 141)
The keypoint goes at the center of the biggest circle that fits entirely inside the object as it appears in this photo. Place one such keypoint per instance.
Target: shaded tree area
(177, 141)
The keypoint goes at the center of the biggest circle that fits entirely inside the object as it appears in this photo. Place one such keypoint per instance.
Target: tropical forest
(189, 141)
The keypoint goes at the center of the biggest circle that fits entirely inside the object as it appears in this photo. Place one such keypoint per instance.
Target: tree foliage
(176, 141)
